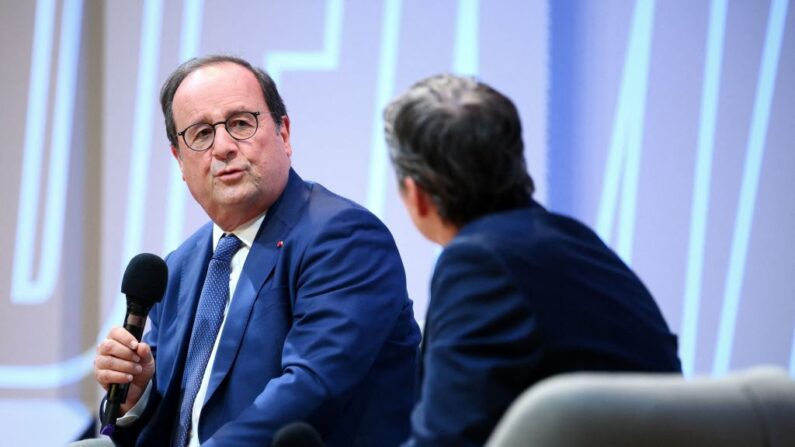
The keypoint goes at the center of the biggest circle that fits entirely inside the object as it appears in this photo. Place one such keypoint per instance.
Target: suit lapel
(191, 281)
(259, 264)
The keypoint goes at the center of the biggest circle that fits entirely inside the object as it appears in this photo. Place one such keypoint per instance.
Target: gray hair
(460, 140)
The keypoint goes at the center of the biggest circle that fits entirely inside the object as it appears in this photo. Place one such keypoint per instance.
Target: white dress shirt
(246, 233)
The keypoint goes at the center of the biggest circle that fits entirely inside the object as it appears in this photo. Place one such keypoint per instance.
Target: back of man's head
(461, 142)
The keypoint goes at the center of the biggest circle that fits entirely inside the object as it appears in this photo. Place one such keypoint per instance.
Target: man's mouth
(229, 174)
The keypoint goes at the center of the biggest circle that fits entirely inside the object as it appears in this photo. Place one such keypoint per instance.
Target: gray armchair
(746, 409)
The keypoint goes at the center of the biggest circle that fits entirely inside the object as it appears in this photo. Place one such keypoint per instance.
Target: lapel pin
(280, 244)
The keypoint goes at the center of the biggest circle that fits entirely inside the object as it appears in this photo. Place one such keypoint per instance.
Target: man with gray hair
(518, 293)
(289, 305)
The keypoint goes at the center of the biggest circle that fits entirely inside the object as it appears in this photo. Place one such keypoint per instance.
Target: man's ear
(284, 133)
(418, 201)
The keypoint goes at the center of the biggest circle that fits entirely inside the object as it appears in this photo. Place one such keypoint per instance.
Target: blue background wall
(665, 125)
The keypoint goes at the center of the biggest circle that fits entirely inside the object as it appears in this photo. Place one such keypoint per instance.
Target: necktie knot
(227, 247)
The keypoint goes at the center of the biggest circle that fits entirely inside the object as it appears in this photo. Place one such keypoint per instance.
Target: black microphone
(297, 434)
(144, 283)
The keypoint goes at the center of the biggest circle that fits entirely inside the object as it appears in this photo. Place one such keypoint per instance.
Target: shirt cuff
(136, 411)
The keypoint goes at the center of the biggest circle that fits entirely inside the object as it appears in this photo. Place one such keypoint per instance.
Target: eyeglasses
(240, 126)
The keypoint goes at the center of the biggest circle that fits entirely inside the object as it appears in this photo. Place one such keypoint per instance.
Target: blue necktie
(209, 315)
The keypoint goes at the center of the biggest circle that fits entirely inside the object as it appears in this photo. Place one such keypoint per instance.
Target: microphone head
(297, 434)
(145, 279)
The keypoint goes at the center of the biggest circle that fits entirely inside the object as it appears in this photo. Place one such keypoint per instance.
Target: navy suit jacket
(320, 329)
(519, 296)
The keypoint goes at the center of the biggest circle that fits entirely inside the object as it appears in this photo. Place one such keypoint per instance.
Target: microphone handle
(134, 323)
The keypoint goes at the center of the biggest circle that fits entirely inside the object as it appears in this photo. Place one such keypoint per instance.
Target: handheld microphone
(297, 434)
(144, 283)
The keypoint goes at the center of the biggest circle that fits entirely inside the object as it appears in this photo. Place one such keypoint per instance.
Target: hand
(122, 359)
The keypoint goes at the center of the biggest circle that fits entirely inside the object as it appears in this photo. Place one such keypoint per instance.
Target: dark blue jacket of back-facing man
(518, 294)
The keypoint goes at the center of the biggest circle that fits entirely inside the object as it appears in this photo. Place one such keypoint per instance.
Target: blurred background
(667, 126)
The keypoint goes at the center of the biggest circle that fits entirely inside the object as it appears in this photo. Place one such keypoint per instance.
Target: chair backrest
(751, 408)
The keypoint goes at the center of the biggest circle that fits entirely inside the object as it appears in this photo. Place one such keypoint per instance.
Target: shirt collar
(246, 232)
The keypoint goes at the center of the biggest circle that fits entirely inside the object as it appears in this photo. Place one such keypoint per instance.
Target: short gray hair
(460, 140)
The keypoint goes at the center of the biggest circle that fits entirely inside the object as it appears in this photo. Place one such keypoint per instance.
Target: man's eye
(240, 124)
(203, 133)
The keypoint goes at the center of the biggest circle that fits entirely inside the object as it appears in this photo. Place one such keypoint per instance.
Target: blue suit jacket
(519, 296)
(320, 329)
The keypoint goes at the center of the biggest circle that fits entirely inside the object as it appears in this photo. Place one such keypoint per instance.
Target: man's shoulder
(532, 225)
(321, 197)
(495, 232)
(308, 202)
(530, 240)
(313, 217)
(188, 247)
(324, 205)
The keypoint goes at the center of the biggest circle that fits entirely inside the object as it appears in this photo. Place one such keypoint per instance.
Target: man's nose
(224, 144)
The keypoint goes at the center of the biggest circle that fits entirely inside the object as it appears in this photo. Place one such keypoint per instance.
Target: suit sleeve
(479, 349)
(350, 286)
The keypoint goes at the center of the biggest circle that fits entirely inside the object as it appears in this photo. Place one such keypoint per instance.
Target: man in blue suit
(317, 325)
(519, 293)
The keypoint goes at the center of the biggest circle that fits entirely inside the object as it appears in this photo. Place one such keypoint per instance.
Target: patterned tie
(209, 316)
